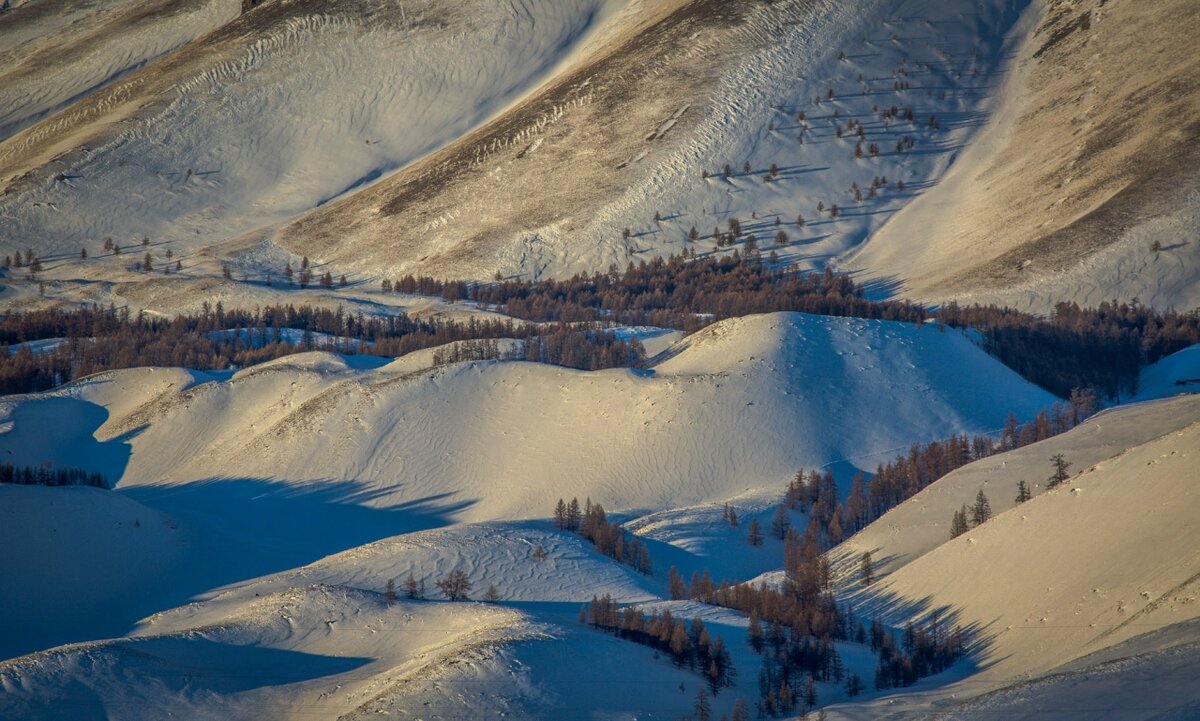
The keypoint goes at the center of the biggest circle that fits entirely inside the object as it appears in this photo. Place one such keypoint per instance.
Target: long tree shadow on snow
(869, 602)
(259, 526)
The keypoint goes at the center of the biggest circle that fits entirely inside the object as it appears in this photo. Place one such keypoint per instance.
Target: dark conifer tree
(455, 585)
(675, 585)
(780, 521)
(982, 510)
(959, 525)
(560, 515)
(1022, 492)
(754, 536)
(1060, 471)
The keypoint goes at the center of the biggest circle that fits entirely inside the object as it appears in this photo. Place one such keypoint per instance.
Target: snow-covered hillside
(1107, 556)
(248, 147)
(278, 538)
(739, 405)
(1072, 191)
(466, 139)
(333, 645)
(247, 466)
(285, 108)
(709, 86)
(920, 525)
(54, 54)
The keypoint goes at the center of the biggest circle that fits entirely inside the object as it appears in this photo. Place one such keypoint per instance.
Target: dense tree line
(1101, 348)
(45, 476)
(99, 339)
(688, 644)
(609, 538)
(682, 291)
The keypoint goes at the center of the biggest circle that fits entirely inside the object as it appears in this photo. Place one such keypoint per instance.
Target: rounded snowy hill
(740, 405)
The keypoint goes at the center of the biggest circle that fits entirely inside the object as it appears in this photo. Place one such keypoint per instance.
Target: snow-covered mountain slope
(1083, 185)
(54, 54)
(526, 138)
(286, 107)
(1105, 557)
(248, 466)
(550, 186)
(239, 149)
(922, 523)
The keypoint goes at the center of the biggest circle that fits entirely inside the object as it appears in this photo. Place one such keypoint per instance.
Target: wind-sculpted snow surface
(248, 466)
(279, 112)
(55, 54)
(282, 499)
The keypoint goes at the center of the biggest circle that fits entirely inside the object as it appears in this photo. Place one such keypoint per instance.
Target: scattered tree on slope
(455, 585)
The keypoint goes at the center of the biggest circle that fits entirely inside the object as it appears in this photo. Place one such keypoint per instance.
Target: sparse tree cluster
(922, 650)
(609, 538)
(688, 644)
